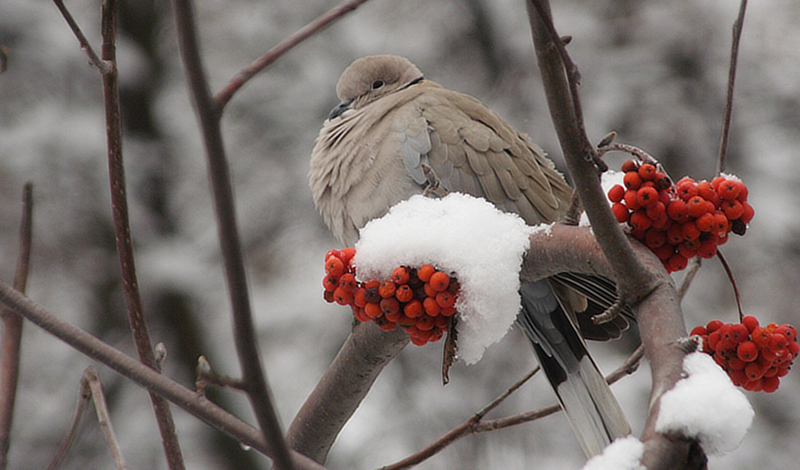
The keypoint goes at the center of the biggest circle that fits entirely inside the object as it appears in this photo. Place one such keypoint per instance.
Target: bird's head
(370, 78)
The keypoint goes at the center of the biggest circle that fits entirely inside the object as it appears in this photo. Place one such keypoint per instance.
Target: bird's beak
(340, 108)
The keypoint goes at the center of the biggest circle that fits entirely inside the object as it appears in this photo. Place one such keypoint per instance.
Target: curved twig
(727, 115)
(238, 81)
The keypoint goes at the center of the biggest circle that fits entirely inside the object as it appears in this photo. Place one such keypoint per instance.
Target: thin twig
(134, 370)
(122, 232)
(84, 394)
(206, 376)
(11, 341)
(103, 417)
(728, 113)
(475, 425)
(246, 342)
(101, 65)
(688, 275)
(238, 81)
(459, 431)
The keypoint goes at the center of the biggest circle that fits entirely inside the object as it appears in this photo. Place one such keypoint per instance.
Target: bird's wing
(472, 150)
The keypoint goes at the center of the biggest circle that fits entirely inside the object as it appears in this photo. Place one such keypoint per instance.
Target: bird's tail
(592, 409)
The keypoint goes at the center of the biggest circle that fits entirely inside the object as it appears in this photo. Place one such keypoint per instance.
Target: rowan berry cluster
(420, 300)
(683, 220)
(755, 357)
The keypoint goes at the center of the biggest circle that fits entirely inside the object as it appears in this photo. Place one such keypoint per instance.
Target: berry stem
(729, 272)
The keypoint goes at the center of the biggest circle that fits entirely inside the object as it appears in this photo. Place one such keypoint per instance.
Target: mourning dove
(370, 155)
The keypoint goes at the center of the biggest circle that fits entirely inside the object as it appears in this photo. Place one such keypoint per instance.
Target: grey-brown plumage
(369, 156)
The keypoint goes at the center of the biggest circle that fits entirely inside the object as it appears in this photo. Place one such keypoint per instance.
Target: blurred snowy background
(653, 71)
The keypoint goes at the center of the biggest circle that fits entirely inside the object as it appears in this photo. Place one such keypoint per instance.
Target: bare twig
(119, 206)
(209, 114)
(689, 273)
(475, 424)
(101, 65)
(467, 427)
(84, 394)
(206, 376)
(91, 376)
(134, 370)
(728, 113)
(11, 341)
(238, 81)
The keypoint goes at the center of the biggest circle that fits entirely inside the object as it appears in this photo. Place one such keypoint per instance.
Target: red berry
(747, 213)
(714, 325)
(754, 371)
(425, 272)
(390, 306)
(690, 231)
(387, 289)
(620, 212)
(705, 190)
(424, 323)
(346, 254)
(747, 351)
(372, 310)
(676, 263)
(707, 249)
(750, 322)
(699, 330)
(342, 297)
(445, 299)
(733, 209)
(629, 165)
(686, 188)
(705, 222)
(647, 172)
(646, 196)
(639, 220)
(413, 309)
(730, 189)
(655, 238)
(400, 275)
(334, 266)
(431, 307)
(770, 384)
(630, 199)
(348, 282)
(404, 293)
(359, 300)
(616, 193)
(761, 336)
(632, 180)
(655, 210)
(664, 252)
(330, 283)
(696, 206)
(439, 281)
(677, 210)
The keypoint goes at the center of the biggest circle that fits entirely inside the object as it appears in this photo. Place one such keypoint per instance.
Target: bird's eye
(377, 84)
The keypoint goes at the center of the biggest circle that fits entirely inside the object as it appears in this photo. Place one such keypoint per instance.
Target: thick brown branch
(134, 370)
(225, 211)
(238, 81)
(341, 390)
(11, 340)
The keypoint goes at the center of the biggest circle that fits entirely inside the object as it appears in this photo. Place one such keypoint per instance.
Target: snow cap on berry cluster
(707, 406)
(458, 234)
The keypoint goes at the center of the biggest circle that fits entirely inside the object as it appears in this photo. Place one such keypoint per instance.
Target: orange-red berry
(400, 275)
(616, 193)
(646, 196)
(632, 180)
(425, 272)
(647, 172)
(620, 212)
(439, 281)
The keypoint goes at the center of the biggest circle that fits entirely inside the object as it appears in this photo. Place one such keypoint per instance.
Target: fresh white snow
(457, 234)
(707, 406)
(622, 454)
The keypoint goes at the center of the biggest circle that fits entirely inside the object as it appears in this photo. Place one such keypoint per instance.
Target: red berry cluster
(678, 222)
(420, 300)
(755, 357)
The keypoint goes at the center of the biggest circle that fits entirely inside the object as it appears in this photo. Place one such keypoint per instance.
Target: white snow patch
(707, 406)
(622, 454)
(461, 234)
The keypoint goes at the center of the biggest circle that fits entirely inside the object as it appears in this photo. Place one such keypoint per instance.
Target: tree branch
(148, 378)
(560, 83)
(11, 341)
(223, 96)
(727, 115)
(209, 114)
(342, 388)
(122, 231)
